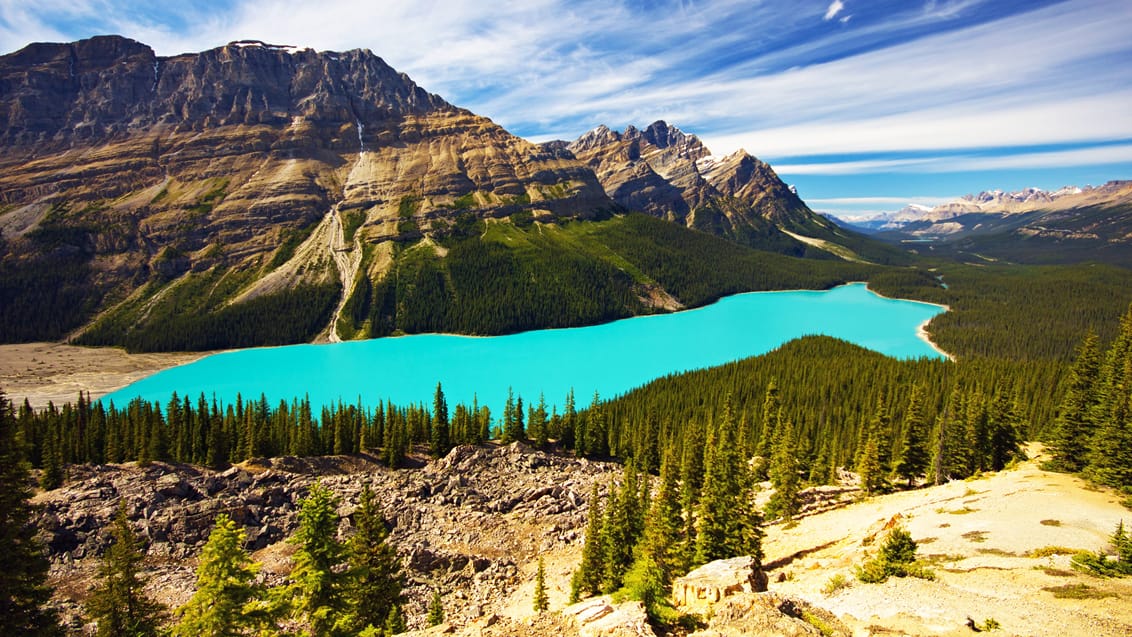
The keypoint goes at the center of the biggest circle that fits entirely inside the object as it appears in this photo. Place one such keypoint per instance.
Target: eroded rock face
(770, 615)
(670, 174)
(600, 617)
(717, 580)
(117, 157)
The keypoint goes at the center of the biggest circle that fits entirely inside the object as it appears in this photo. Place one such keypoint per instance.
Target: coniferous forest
(693, 444)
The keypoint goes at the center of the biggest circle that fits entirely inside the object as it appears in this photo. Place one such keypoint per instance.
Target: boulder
(716, 580)
(600, 617)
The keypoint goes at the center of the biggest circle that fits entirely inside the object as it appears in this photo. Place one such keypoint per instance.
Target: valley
(285, 314)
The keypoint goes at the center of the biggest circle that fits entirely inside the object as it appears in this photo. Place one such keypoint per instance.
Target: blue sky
(863, 105)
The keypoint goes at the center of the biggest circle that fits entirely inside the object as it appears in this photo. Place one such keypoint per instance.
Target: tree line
(1093, 430)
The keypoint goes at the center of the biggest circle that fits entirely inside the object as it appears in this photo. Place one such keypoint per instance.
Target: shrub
(897, 557)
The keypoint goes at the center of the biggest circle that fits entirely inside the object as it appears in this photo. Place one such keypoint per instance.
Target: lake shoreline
(57, 372)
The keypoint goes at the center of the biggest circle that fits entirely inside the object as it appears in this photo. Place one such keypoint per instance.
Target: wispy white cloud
(898, 77)
(835, 8)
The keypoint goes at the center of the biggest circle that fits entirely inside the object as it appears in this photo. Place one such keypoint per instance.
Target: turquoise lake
(610, 359)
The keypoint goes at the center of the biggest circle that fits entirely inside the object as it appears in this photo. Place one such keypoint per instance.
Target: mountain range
(1091, 223)
(256, 193)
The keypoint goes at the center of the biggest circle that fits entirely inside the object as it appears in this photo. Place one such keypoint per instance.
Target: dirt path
(43, 372)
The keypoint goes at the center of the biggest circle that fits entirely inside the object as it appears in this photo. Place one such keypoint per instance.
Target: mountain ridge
(269, 191)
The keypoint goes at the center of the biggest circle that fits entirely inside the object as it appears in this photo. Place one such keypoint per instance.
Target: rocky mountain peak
(102, 88)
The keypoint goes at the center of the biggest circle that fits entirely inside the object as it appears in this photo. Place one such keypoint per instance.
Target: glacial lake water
(611, 358)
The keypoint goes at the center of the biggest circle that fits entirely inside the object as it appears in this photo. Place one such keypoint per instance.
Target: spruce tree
(662, 539)
(913, 459)
(436, 609)
(1111, 447)
(587, 579)
(118, 603)
(440, 441)
(784, 474)
(728, 525)
(540, 602)
(24, 593)
(1073, 429)
(316, 591)
(537, 423)
(395, 622)
(373, 583)
(224, 602)
(869, 469)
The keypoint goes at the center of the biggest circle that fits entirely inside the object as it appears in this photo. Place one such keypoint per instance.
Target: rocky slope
(123, 171)
(470, 525)
(665, 172)
(474, 524)
(265, 185)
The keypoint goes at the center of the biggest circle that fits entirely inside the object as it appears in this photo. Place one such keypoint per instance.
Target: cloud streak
(942, 79)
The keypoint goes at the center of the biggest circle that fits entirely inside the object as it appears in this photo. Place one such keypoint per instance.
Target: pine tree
(868, 468)
(317, 587)
(587, 579)
(118, 602)
(1111, 447)
(395, 622)
(373, 585)
(513, 419)
(439, 443)
(52, 475)
(223, 604)
(537, 424)
(541, 601)
(880, 429)
(23, 579)
(728, 525)
(784, 475)
(436, 609)
(622, 528)
(661, 541)
(913, 460)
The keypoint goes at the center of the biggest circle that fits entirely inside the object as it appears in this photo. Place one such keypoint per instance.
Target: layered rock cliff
(259, 194)
(668, 173)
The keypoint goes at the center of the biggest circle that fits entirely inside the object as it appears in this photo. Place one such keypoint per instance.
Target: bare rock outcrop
(770, 615)
(716, 581)
(463, 525)
(600, 617)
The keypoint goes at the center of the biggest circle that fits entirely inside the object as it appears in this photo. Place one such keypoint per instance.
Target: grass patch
(1050, 523)
(963, 511)
(1050, 551)
(817, 622)
(1077, 591)
(997, 551)
(1057, 572)
(836, 582)
(975, 536)
(936, 559)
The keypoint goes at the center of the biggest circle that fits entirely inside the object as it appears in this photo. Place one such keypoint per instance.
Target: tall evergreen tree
(913, 459)
(440, 442)
(436, 609)
(1075, 423)
(869, 469)
(587, 579)
(316, 592)
(537, 425)
(540, 602)
(373, 584)
(118, 603)
(664, 524)
(23, 579)
(224, 604)
(784, 467)
(727, 523)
